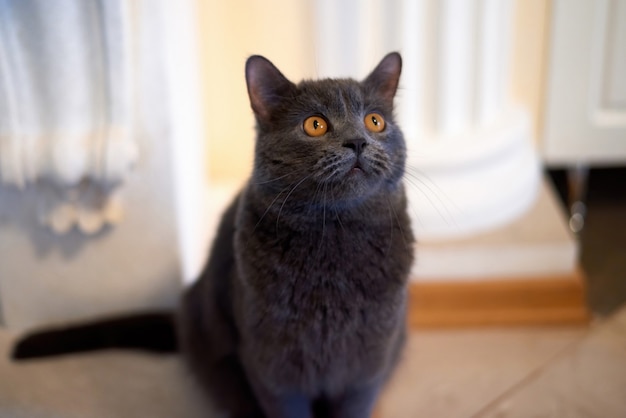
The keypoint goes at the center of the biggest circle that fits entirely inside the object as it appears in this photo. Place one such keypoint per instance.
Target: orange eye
(315, 126)
(374, 122)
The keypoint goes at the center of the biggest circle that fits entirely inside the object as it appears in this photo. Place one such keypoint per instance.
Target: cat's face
(331, 142)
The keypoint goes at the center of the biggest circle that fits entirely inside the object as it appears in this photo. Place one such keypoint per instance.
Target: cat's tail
(155, 332)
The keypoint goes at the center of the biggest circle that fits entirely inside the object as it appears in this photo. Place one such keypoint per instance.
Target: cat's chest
(331, 258)
(322, 300)
(317, 285)
(332, 249)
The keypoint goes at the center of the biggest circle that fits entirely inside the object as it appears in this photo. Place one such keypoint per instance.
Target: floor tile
(98, 385)
(457, 373)
(589, 380)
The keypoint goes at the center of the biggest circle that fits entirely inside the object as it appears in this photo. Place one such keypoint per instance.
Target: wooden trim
(550, 300)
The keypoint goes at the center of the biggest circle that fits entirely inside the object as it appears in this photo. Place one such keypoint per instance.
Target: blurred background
(125, 128)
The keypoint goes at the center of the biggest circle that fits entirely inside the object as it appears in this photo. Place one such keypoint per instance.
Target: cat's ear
(383, 81)
(266, 86)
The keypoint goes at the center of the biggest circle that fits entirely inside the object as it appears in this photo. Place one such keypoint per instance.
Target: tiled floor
(586, 380)
(459, 373)
(519, 372)
(550, 372)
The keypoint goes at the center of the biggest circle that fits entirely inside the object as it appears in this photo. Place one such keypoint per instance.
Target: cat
(300, 309)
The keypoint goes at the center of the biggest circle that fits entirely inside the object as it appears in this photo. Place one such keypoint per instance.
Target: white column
(493, 45)
(477, 169)
(455, 65)
(349, 34)
(471, 163)
(410, 97)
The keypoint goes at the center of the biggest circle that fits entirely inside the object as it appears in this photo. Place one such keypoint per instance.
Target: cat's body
(300, 310)
(303, 299)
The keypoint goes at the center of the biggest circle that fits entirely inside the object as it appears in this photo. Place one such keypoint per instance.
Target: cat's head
(332, 140)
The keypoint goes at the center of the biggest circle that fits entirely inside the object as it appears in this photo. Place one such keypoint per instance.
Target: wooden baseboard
(547, 300)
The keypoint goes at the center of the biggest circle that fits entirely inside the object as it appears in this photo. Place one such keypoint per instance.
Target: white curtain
(66, 103)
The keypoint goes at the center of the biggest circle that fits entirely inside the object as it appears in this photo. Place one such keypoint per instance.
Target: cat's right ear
(385, 77)
(267, 86)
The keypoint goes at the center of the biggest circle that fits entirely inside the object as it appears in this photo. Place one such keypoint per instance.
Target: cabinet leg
(577, 180)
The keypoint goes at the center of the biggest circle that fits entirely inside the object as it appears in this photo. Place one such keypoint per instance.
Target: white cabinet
(585, 113)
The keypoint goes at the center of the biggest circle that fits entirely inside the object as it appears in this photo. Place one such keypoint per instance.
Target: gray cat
(300, 310)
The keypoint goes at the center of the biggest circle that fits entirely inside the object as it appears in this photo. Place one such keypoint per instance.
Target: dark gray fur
(300, 311)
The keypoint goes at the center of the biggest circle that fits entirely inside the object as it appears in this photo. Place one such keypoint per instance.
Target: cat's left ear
(384, 80)
(267, 86)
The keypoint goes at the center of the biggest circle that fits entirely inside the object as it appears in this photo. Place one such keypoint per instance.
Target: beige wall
(231, 31)
(529, 60)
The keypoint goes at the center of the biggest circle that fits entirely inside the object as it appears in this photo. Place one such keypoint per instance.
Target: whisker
(428, 189)
(339, 219)
(274, 179)
(406, 244)
(316, 200)
(269, 207)
(419, 174)
(287, 198)
(390, 226)
(449, 219)
(319, 248)
(333, 168)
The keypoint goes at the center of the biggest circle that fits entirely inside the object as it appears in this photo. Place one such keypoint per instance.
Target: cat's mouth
(357, 168)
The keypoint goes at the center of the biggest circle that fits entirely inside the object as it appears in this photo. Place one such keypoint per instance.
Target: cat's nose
(356, 145)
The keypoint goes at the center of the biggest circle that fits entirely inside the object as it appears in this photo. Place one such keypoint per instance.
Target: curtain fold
(66, 95)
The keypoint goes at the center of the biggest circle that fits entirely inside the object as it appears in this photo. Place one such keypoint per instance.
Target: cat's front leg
(355, 402)
(285, 405)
